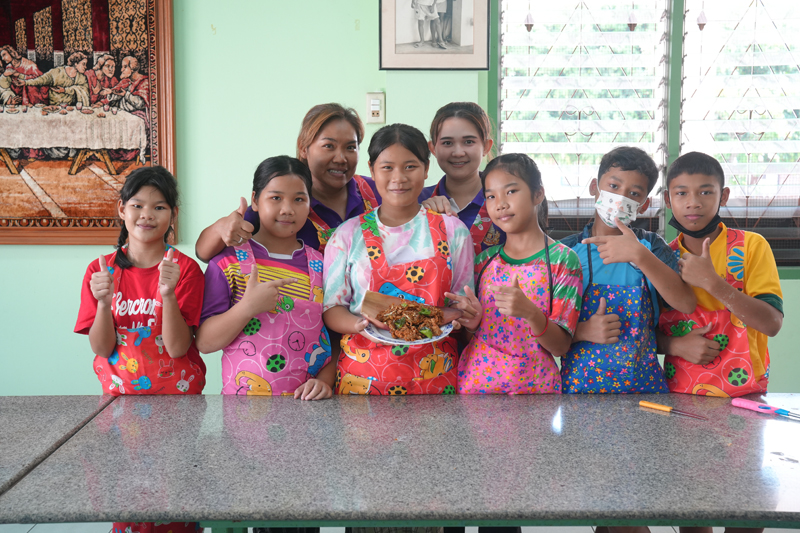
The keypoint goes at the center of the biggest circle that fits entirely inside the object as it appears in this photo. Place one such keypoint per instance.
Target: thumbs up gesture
(601, 328)
(102, 284)
(698, 270)
(262, 297)
(511, 301)
(624, 248)
(234, 229)
(695, 347)
(169, 275)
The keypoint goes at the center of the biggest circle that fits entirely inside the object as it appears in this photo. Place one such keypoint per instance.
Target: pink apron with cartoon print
(140, 363)
(281, 349)
(504, 357)
(731, 372)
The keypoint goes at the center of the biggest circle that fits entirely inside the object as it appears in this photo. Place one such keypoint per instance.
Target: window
(579, 78)
(741, 104)
(576, 80)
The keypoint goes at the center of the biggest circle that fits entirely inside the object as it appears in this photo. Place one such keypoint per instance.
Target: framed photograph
(434, 34)
(86, 98)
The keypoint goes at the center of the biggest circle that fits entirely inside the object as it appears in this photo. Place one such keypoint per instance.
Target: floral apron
(140, 363)
(629, 365)
(324, 231)
(369, 368)
(731, 372)
(279, 350)
(503, 356)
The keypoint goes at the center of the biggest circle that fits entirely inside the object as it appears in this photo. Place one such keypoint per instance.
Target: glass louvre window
(577, 79)
(741, 104)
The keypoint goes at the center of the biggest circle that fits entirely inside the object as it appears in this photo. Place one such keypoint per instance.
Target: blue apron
(627, 366)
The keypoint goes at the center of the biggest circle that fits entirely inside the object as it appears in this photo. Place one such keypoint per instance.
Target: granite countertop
(34, 426)
(426, 460)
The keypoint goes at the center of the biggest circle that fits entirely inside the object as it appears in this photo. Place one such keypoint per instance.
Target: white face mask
(612, 206)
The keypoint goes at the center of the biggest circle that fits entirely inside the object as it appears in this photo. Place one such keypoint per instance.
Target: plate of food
(12, 110)
(38, 105)
(101, 114)
(70, 108)
(410, 324)
(87, 110)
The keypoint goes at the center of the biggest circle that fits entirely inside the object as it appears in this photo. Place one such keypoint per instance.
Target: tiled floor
(104, 527)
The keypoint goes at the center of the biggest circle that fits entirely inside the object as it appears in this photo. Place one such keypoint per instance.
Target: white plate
(384, 336)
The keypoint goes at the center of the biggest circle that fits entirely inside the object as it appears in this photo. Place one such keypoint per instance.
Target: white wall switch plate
(376, 108)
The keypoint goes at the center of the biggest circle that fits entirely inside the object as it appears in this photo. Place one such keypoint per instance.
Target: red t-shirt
(133, 304)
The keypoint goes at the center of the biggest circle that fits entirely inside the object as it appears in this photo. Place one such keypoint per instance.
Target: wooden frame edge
(165, 92)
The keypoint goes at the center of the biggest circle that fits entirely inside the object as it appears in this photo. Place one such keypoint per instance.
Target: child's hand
(170, 274)
(102, 284)
(262, 297)
(698, 271)
(600, 328)
(511, 301)
(234, 229)
(624, 248)
(440, 204)
(470, 306)
(313, 389)
(695, 347)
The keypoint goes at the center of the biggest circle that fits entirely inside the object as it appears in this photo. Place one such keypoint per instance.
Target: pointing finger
(278, 283)
(596, 240)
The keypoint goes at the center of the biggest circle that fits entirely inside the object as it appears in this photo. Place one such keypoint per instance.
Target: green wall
(246, 73)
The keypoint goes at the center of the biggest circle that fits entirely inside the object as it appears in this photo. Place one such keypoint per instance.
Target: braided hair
(157, 177)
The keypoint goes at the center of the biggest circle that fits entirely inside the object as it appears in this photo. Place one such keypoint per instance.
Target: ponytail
(121, 258)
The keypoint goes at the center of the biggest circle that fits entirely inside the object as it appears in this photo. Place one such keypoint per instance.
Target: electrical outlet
(376, 108)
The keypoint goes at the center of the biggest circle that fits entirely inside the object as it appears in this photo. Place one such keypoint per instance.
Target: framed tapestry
(86, 97)
(434, 34)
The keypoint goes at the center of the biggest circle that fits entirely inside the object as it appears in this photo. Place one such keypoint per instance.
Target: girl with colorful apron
(366, 367)
(731, 372)
(533, 369)
(140, 363)
(279, 350)
(628, 366)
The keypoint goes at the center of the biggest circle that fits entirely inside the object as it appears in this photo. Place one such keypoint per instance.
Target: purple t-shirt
(468, 214)
(308, 233)
(220, 295)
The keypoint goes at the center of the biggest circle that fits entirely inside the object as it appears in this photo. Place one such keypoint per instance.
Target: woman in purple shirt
(328, 143)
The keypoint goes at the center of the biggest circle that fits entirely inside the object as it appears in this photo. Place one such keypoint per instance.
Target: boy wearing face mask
(715, 353)
(625, 271)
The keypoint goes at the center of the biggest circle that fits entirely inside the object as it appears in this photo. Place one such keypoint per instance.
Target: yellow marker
(668, 409)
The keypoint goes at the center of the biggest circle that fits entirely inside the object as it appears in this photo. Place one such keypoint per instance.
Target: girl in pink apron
(263, 304)
(400, 249)
(529, 292)
(140, 304)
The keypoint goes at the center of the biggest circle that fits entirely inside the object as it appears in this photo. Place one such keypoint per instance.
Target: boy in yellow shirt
(721, 348)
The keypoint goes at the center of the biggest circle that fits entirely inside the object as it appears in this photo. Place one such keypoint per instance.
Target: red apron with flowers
(379, 369)
(140, 363)
(324, 231)
(731, 372)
